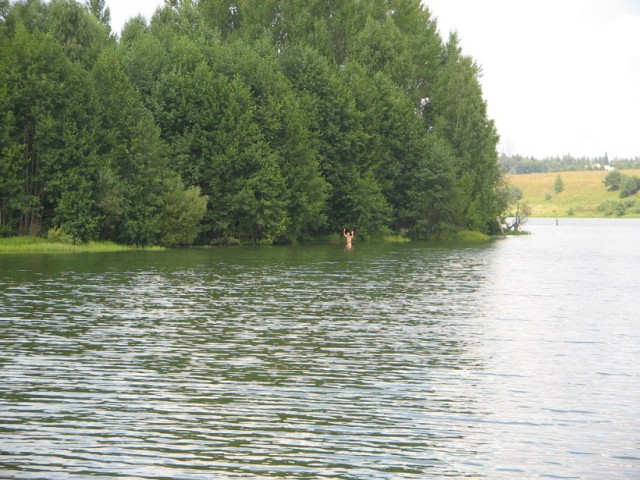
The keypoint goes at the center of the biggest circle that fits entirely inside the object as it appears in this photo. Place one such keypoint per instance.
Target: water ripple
(379, 363)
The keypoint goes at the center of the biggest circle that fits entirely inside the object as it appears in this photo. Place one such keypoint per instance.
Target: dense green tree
(51, 105)
(138, 186)
(37, 77)
(69, 156)
(99, 10)
(381, 47)
(224, 16)
(459, 115)
(394, 145)
(310, 74)
(32, 14)
(180, 212)
(434, 204)
(269, 120)
(336, 127)
(11, 178)
(218, 145)
(80, 34)
(285, 127)
(4, 13)
(424, 49)
(142, 56)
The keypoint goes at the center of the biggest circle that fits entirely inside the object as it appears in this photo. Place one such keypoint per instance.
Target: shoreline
(34, 244)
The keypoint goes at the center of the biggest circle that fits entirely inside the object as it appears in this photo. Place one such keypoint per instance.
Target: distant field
(583, 193)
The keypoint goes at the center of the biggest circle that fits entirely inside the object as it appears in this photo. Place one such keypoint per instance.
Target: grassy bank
(32, 244)
(583, 194)
(42, 245)
(461, 236)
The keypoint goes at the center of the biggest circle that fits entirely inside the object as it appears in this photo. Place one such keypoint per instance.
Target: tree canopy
(262, 121)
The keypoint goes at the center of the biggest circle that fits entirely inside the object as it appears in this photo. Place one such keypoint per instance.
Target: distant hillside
(584, 195)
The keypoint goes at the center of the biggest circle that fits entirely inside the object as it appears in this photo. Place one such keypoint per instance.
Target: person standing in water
(348, 236)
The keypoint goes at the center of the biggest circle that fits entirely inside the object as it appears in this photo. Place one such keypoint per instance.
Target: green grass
(583, 193)
(390, 239)
(31, 244)
(471, 236)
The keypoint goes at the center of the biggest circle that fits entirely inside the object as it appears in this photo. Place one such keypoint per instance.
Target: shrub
(59, 235)
(634, 208)
(605, 207)
(615, 207)
(558, 185)
(5, 231)
(629, 186)
(516, 194)
(613, 180)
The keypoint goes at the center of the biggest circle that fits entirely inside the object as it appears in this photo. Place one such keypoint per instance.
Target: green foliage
(259, 121)
(515, 194)
(181, 212)
(471, 236)
(285, 127)
(629, 186)
(58, 244)
(99, 10)
(59, 235)
(558, 185)
(458, 114)
(434, 200)
(617, 207)
(77, 30)
(613, 180)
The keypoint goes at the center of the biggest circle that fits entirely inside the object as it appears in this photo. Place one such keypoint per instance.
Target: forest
(522, 165)
(241, 121)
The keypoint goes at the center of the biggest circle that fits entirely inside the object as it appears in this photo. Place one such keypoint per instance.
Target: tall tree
(275, 119)
(99, 10)
(336, 127)
(459, 114)
(285, 128)
(80, 34)
(433, 205)
(34, 70)
(218, 145)
(224, 16)
(137, 184)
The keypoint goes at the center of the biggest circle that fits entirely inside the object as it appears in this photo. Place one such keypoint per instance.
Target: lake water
(515, 359)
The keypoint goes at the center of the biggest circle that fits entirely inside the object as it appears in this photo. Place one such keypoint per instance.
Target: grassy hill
(584, 195)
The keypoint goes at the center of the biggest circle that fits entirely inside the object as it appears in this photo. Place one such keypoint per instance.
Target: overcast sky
(559, 76)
